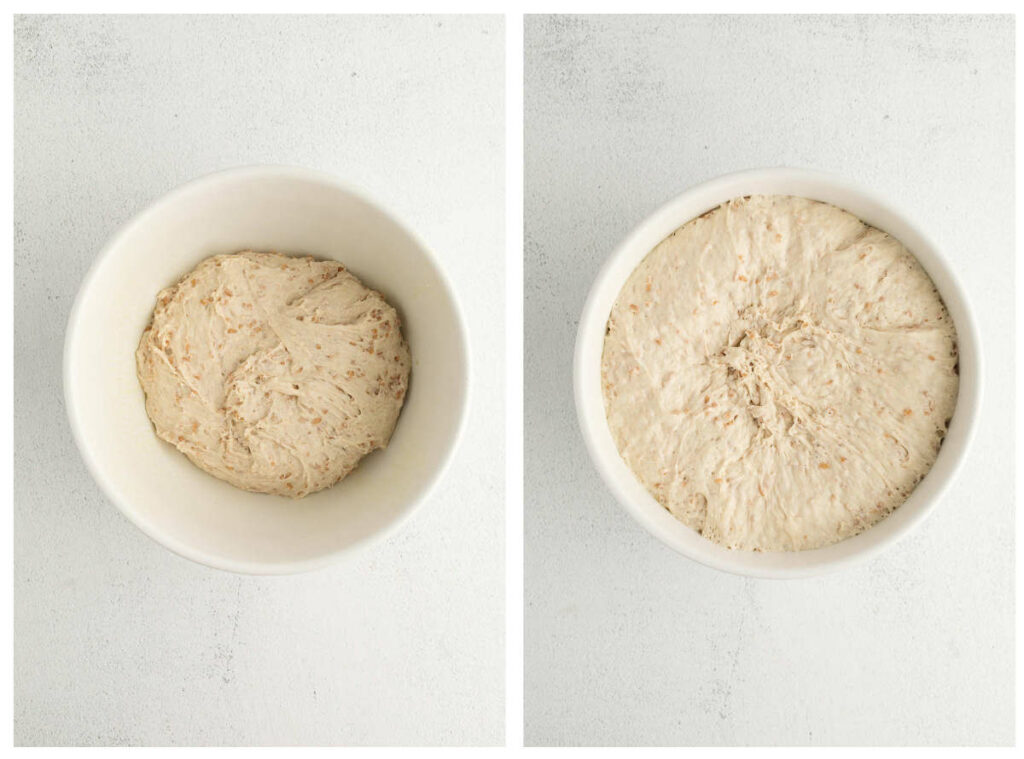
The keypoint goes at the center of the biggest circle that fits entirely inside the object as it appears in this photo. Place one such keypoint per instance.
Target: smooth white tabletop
(628, 642)
(118, 641)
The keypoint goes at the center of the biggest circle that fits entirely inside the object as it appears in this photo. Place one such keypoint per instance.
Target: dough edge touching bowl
(325, 195)
(620, 480)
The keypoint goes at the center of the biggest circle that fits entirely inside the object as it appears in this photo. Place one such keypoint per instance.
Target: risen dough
(274, 373)
(779, 375)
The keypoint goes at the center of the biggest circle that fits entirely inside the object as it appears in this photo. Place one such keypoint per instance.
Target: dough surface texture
(779, 375)
(274, 373)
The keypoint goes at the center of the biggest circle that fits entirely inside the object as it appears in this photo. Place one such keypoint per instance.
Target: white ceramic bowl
(869, 207)
(194, 514)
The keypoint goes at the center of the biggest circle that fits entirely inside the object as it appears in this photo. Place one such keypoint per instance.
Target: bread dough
(779, 375)
(274, 373)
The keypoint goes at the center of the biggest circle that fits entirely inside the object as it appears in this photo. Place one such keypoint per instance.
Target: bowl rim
(593, 422)
(248, 567)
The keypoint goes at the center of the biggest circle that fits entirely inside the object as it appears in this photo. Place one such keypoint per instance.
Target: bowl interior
(189, 511)
(590, 403)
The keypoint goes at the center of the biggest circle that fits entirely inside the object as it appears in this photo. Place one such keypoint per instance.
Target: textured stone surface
(627, 642)
(118, 641)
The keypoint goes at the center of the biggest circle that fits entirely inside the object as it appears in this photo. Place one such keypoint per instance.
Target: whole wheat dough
(274, 373)
(779, 375)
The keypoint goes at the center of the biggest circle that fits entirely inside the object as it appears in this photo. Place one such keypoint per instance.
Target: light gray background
(627, 642)
(116, 639)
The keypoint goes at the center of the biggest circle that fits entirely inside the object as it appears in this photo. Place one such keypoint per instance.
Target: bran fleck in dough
(274, 373)
(778, 374)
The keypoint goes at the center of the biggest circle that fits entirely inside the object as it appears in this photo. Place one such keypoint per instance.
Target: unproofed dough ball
(778, 374)
(272, 372)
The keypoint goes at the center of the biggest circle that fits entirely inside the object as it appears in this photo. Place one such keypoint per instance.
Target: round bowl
(624, 485)
(267, 208)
